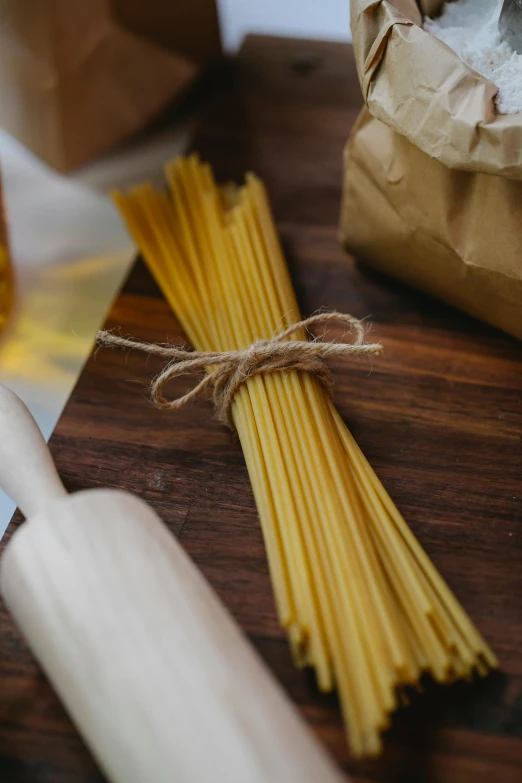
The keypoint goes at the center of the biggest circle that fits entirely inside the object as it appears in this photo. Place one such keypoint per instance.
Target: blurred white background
(326, 19)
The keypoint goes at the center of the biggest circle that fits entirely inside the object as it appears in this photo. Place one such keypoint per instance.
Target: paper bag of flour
(75, 79)
(433, 175)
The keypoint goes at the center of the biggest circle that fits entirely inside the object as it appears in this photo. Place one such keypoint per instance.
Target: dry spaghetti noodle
(360, 600)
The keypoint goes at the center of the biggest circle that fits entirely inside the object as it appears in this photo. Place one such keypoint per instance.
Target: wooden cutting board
(439, 416)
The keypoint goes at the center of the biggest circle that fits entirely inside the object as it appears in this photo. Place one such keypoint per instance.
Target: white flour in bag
(470, 27)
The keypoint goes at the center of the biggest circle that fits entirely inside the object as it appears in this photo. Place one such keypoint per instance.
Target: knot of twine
(227, 371)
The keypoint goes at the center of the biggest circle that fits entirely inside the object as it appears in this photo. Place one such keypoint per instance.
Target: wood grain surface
(439, 416)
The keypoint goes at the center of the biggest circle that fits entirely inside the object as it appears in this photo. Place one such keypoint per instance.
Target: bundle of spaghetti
(360, 600)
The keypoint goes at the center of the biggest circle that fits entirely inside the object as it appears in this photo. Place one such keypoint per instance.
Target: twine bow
(227, 371)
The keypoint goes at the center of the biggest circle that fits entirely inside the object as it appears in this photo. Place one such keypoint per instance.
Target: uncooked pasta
(360, 600)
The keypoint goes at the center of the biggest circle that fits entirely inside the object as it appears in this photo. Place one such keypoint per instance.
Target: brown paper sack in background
(74, 81)
(188, 27)
(433, 176)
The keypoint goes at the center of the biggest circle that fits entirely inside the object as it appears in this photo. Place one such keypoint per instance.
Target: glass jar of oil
(6, 278)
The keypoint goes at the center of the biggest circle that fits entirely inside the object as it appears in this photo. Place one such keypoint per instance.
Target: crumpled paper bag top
(420, 87)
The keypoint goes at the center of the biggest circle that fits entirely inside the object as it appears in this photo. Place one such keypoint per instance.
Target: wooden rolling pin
(151, 667)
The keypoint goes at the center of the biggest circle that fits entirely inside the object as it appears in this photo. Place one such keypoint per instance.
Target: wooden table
(439, 417)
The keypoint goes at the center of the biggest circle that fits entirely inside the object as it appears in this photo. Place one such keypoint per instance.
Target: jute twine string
(227, 371)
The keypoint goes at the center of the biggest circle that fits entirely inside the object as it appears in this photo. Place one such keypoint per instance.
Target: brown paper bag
(188, 27)
(74, 81)
(433, 176)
